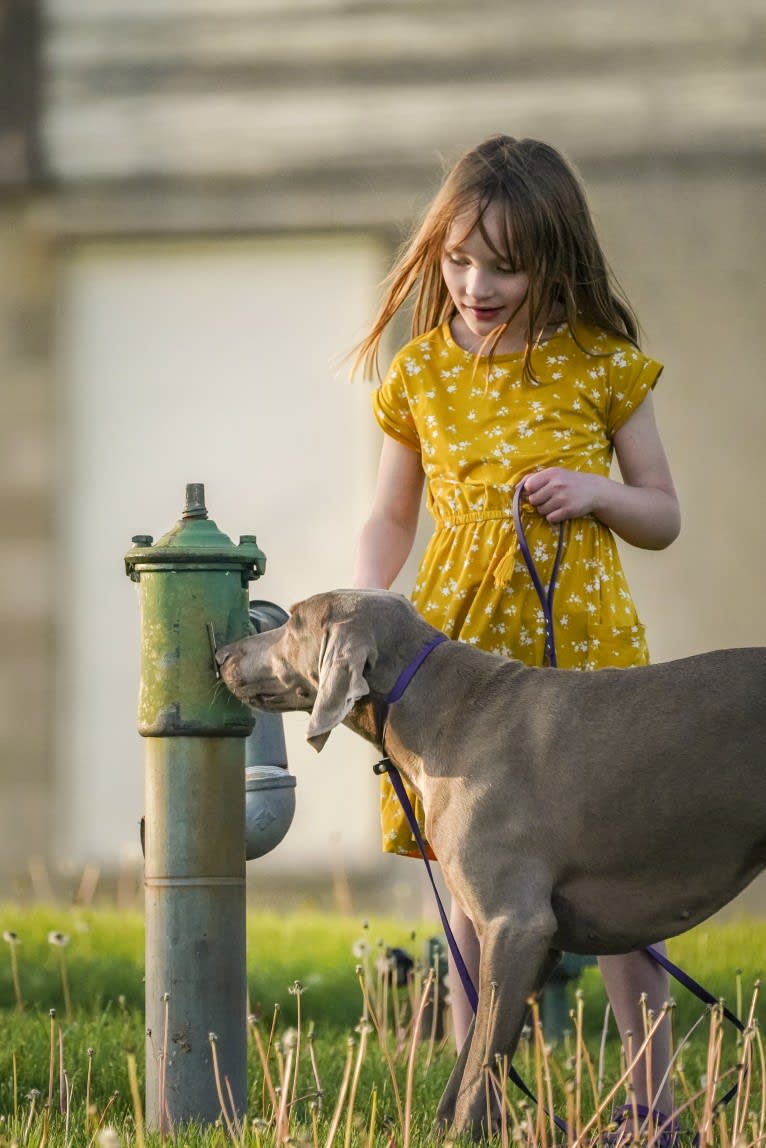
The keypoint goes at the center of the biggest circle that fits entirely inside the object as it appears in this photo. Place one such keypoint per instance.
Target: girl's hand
(642, 509)
(559, 494)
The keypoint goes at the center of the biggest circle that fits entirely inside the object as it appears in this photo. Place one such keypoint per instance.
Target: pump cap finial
(195, 500)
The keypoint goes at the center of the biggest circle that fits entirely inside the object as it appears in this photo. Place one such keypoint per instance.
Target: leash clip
(382, 766)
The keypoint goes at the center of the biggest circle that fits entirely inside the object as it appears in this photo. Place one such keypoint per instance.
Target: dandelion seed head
(384, 965)
(11, 938)
(289, 1040)
(60, 940)
(109, 1138)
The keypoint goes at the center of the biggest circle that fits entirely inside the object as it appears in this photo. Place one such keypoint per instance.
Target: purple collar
(408, 673)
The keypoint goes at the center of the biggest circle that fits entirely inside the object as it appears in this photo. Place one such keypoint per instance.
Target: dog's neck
(367, 718)
(370, 718)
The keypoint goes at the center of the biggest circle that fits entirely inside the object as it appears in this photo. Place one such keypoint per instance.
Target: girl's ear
(342, 683)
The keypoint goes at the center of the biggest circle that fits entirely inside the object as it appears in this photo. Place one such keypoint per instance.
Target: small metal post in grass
(193, 593)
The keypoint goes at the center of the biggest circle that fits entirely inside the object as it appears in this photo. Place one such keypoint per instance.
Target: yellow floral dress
(479, 432)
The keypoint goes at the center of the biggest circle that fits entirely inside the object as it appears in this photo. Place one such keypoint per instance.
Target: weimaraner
(590, 812)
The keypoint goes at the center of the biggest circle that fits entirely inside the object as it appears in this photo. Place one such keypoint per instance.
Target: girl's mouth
(484, 314)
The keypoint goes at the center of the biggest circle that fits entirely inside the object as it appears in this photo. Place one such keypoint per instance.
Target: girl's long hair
(549, 234)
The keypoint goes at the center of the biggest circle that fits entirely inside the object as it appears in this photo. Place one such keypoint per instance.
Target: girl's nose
(476, 285)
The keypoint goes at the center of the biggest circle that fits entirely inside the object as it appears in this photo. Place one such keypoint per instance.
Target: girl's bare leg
(468, 944)
(626, 978)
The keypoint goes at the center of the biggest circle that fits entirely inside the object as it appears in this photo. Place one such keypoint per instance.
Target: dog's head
(320, 661)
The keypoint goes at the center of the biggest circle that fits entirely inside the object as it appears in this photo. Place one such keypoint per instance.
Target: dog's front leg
(514, 962)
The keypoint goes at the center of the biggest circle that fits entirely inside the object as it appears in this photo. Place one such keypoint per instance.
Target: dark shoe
(619, 1132)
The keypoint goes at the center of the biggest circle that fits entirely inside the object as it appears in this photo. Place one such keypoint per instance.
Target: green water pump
(193, 589)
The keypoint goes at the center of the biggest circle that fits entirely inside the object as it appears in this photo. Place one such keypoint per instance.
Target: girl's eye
(458, 260)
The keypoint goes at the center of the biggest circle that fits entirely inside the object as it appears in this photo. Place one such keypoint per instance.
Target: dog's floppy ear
(342, 659)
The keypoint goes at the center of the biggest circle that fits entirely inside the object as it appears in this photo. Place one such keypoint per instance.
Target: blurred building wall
(184, 156)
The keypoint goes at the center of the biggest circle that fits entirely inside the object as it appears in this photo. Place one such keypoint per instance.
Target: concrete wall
(222, 124)
(28, 597)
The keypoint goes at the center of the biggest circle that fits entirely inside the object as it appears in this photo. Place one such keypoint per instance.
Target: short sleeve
(391, 407)
(632, 376)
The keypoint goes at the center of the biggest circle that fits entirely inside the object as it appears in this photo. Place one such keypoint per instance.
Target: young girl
(524, 364)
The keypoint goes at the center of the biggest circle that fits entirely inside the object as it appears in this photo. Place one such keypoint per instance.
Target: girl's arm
(388, 534)
(643, 508)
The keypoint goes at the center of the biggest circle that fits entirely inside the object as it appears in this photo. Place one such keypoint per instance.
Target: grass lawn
(72, 1037)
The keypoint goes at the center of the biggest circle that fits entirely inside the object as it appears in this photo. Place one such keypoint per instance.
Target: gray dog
(540, 788)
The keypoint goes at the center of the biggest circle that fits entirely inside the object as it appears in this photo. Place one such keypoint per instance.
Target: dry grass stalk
(370, 1014)
(364, 1029)
(415, 1034)
(341, 1094)
(263, 1056)
(12, 941)
(135, 1095)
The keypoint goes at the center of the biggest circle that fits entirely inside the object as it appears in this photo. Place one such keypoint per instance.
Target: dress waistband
(463, 518)
(506, 542)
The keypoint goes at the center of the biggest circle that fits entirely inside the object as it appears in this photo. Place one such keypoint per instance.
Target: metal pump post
(193, 592)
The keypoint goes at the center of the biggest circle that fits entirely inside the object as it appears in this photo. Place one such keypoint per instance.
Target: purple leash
(408, 673)
(545, 595)
(546, 601)
(387, 766)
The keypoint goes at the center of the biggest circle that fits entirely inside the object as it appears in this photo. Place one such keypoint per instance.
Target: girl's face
(485, 287)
